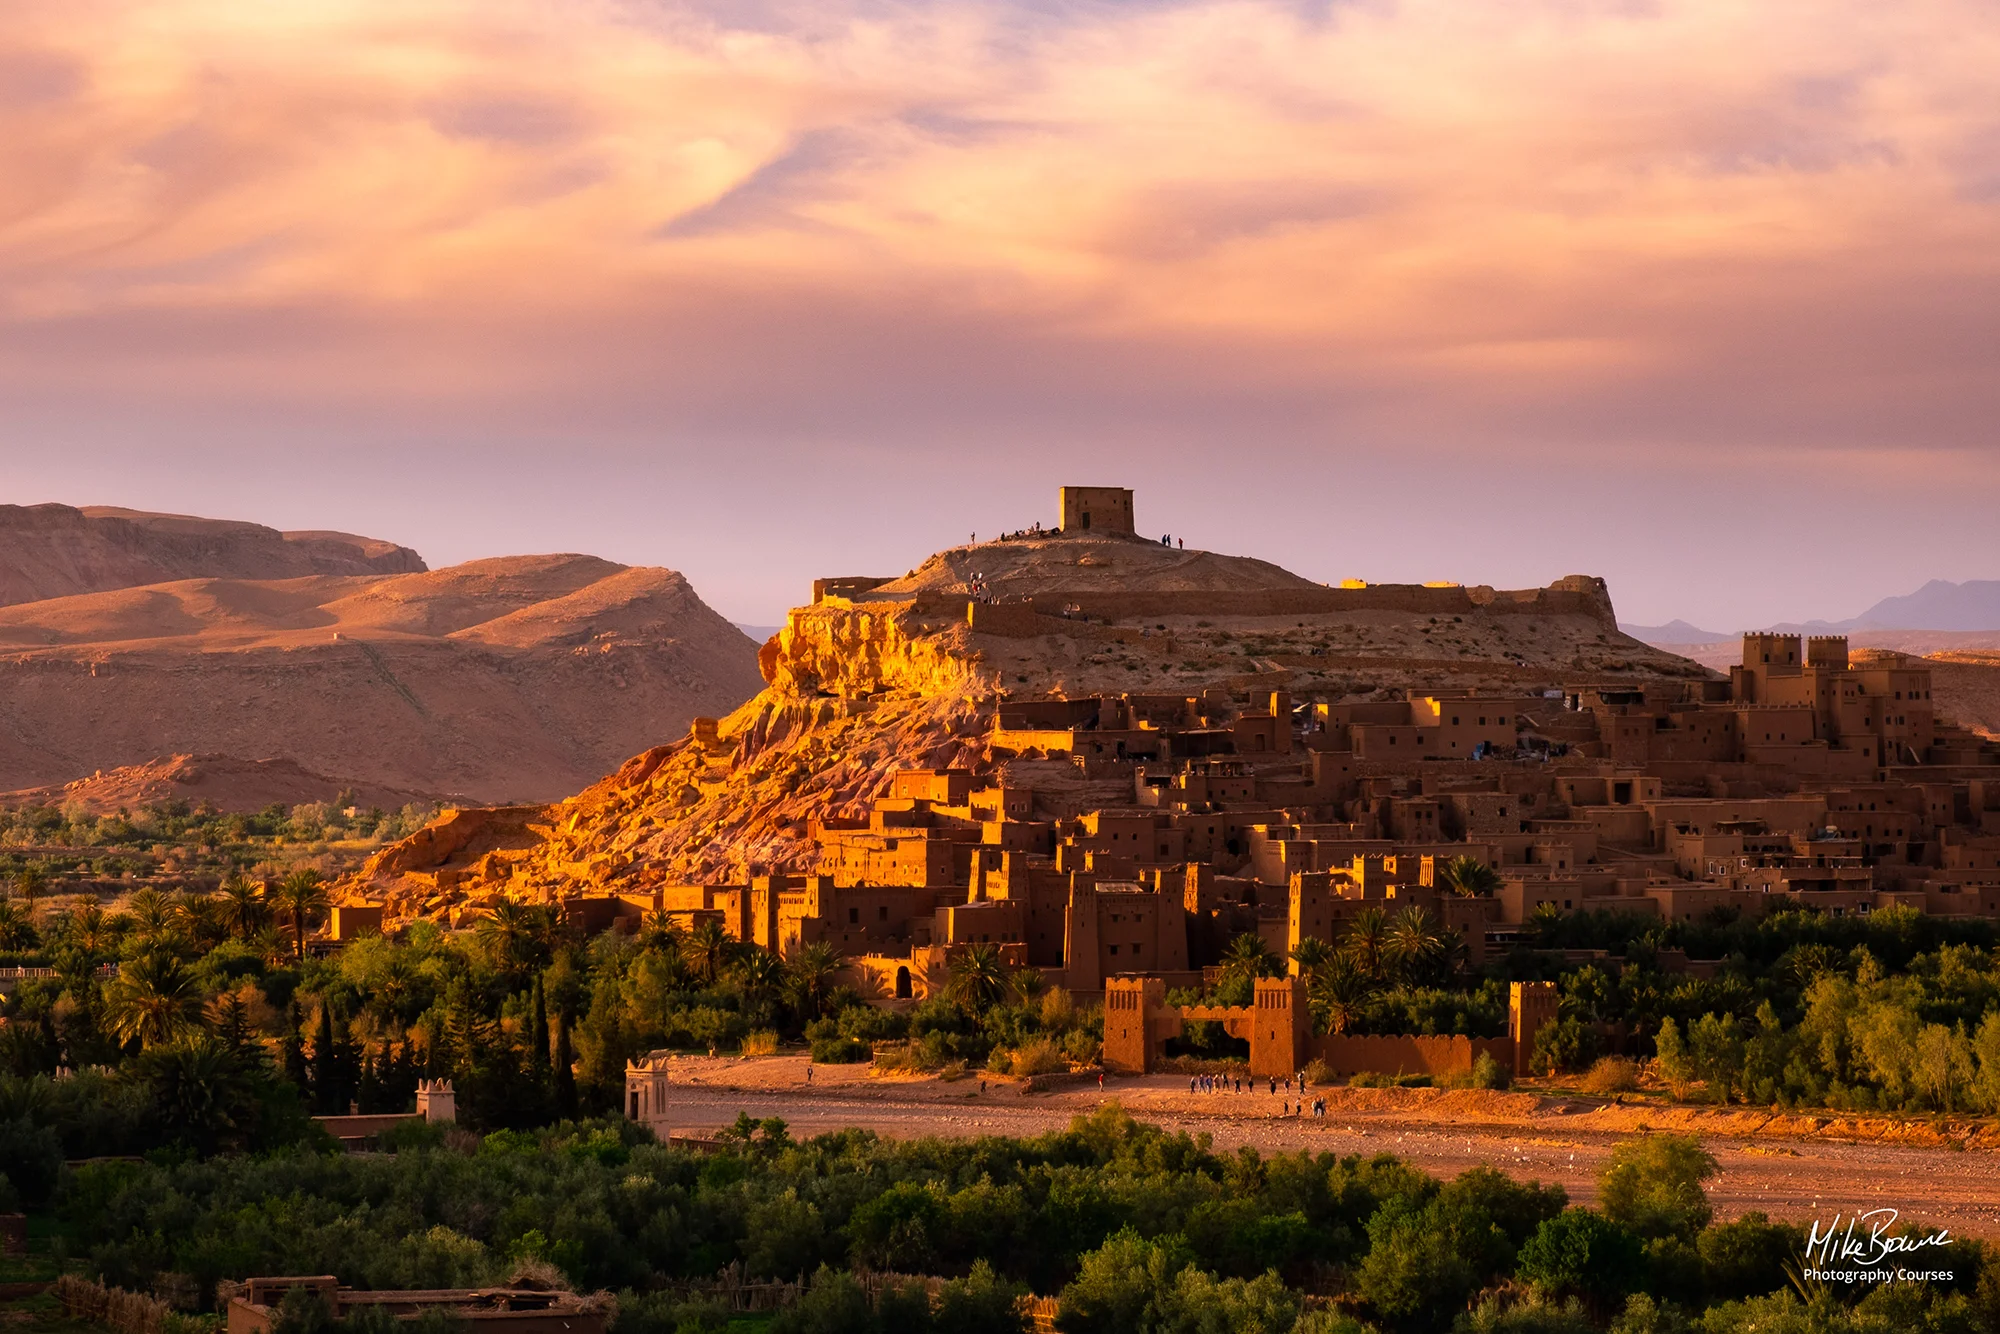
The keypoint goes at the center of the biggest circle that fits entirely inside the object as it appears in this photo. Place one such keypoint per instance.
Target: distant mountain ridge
(54, 551)
(1673, 632)
(1972, 607)
(157, 653)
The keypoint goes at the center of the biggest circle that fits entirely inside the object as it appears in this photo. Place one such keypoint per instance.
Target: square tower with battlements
(1096, 509)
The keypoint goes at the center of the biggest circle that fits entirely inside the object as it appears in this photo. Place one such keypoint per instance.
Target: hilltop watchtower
(1097, 509)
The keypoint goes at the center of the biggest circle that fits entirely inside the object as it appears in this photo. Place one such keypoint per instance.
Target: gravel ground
(1796, 1177)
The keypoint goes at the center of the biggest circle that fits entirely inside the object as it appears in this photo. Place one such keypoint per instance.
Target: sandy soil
(1786, 1174)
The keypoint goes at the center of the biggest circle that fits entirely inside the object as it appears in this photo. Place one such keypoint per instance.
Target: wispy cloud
(1751, 228)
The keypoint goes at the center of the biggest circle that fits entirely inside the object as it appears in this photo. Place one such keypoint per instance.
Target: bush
(1565, 1046)
(1369, 1079)
(841, 1051)
(1486, 1073)
(1652, 1185)
(34, 1158)
(1747, 1257)
(1039, 1057)
(1611, 1076)
(1581, 1253)
(763, 1042)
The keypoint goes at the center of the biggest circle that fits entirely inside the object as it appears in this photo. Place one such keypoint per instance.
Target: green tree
(1672, 1061)
(1311, 956)
(708, 950)
(17, 927)
(244, 911)
(152, 1000)
(1468, 877)
(300, 896)
(1652, 1185)
(1715, 1048)
(979, 978)
(1416, 945)
(1249, 958)
(1338, 994)
(1583, 1254)
(1367, 942)
(812, 974)
(520, 938)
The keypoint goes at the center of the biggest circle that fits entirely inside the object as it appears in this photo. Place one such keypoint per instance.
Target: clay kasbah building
(1801, 779)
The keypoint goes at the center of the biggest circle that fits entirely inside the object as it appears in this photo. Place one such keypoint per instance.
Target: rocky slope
(879, 675)
(54, 551)
(224, 782)
(514, 679)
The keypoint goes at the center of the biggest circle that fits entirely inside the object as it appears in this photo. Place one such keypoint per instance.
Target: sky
(1701, 297)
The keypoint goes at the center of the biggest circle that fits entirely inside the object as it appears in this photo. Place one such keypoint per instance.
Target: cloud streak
(1760, 232)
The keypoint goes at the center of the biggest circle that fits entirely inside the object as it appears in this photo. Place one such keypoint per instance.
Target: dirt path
(1789, 1176)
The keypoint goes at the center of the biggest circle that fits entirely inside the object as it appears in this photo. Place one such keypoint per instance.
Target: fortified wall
(1138, 1023)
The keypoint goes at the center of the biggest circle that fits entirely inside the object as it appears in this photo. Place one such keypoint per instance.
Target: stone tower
(1096, 509)
(1529, 1006)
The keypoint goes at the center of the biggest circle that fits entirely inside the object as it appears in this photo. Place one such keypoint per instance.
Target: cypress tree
(538, 1039)
(294, 1048)
(565, 1071)
(325, 1065)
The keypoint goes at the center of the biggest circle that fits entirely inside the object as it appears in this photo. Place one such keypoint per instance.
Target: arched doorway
(902, 984)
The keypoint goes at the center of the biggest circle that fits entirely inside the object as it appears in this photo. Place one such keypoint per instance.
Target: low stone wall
(1354, 1055)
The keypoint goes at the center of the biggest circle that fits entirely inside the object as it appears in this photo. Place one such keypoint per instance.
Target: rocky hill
(513, 679)
(224, 782)
(54, 551)
(879, 675)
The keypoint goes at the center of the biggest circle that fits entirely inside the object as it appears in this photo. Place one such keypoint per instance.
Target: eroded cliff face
(854, 650)
(854, 695)
(903, 675)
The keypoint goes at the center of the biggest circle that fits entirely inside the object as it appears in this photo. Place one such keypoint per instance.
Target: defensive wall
(1138, 1023)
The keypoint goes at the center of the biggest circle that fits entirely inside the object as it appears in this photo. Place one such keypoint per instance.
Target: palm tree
(1249, 957)
(244, 911)
(1338, 993)
(1367, 941)
(300, 895)
(17, 927)
(708, 949)
(153, 913)
(202, 1090)
(200, 915)
(521, 937)
(813, 970)
(760, 973)
(152, 1000)
(1416, 941)
(89, 929)
(662, 933)
(1469, 878)
(28, 883)
(1311, 956)
(979, 978)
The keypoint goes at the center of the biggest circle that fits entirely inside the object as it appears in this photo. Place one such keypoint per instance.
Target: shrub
(1040, 1057)
(1564, 1046)
(1653, 1186)
(1318, 1072)
(1581, 1253)
(1486, 1073)
(763, 1042)
(840, 1051)
(1369, 1079)
(1610, 1076)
